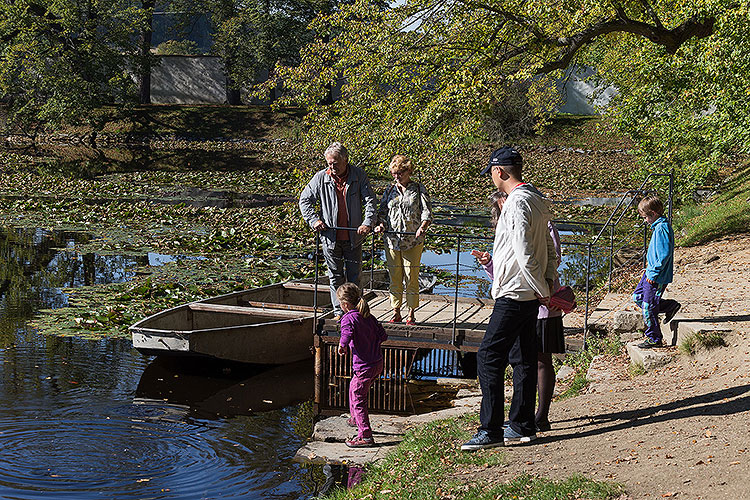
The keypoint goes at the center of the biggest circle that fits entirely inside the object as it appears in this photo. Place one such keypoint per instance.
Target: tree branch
(671, 40)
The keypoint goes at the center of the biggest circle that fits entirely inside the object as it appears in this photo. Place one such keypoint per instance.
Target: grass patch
(636, 369)
(424, 466)
(727, 214)
(705, 340)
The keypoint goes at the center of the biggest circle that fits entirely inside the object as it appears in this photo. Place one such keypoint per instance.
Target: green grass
(636, 369)
(705, 340)
(428, 465)
(727, 214)
(581, 360)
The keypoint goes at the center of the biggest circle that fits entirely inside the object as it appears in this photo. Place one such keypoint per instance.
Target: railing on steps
(606, 232)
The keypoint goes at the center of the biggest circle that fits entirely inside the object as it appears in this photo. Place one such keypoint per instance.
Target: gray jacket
(321, 190)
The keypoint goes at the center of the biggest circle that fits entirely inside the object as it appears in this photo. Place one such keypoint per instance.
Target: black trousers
(511, 321)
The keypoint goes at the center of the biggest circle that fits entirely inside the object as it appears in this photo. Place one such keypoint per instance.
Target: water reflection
(339, 477)
(71, 426)
(218, 389)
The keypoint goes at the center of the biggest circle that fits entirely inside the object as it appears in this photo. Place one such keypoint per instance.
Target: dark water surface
(84, 419)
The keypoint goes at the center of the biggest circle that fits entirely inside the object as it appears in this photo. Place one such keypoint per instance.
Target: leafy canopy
(434, 75)
(60, 59)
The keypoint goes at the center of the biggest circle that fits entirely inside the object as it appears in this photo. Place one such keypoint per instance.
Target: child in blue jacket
(658, 273)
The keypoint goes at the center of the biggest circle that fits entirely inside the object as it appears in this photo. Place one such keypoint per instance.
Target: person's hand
(342, 350)
(319, 225)
(379, 228)
(420, 231)
(482, 257)
(363, 229)
(543, 300)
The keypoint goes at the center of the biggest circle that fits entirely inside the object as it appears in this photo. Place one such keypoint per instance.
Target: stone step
(676, 331)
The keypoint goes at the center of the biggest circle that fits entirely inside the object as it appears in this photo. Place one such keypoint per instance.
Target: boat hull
(267, 325)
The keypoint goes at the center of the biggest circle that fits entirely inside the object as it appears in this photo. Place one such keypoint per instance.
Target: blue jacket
(660, 255)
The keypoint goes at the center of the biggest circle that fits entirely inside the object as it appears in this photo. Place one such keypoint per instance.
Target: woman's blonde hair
(349, 292)
(400, 163)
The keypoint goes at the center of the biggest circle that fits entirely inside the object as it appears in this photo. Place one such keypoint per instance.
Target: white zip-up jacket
(523, 255)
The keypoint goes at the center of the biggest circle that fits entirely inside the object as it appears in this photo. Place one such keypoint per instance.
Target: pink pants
(359, 389)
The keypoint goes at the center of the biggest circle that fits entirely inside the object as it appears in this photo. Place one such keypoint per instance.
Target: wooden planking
(251, 311)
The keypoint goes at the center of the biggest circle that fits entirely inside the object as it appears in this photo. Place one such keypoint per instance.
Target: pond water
(84, 419)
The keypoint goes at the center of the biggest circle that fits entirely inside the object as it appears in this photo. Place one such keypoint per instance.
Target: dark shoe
(360, 442)
(511, 436)
(669, 315)
(543, 426)
(481, 441)
(649, 344)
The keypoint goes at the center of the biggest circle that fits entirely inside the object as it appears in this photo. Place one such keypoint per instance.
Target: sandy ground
(680, 431)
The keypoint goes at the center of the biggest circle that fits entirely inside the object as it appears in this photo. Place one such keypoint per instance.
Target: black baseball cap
(503, 156)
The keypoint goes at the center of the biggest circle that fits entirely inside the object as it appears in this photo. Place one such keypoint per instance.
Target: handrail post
(588, 279)
(611, 255)
(671, 195)
(645, 243)
(455, 295)
(372, 262)
(315, 284)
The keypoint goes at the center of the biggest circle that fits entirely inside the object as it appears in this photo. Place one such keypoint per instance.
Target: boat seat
(251, 311)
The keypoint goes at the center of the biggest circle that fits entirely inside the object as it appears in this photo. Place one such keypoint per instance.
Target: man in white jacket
(524, 265)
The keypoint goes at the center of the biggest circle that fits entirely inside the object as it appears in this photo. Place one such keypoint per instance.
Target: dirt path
(682, 430)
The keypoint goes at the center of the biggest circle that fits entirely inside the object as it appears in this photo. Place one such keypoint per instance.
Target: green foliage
(177, 48)
(62, 59)
(689, 110)
(253, 35)
(728, 213)
(636, 369)
(426, 77)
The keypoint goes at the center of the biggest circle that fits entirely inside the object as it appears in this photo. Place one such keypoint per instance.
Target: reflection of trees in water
(36, 265)
(575, 261)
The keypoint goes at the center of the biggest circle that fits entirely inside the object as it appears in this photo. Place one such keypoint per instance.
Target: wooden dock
(436, 327)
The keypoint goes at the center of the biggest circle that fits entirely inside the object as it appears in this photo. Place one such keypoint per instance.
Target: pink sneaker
(351, 422)
(360, 442)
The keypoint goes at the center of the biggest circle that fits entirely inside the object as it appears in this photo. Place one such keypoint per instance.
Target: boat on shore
(273, 324)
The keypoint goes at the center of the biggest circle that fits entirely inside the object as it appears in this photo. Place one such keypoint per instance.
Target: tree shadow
(718, 403)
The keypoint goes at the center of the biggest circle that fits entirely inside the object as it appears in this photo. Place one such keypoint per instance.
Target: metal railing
(606, 228)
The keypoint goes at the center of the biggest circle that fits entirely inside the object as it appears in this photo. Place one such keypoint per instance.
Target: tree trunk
(233, 94)
(144, 76)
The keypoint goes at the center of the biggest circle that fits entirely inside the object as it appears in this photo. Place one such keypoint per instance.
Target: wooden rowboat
(273, 324)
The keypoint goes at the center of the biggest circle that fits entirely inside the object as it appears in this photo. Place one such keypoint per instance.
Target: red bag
(563, 299)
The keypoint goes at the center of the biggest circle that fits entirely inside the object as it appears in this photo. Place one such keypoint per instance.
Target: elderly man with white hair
(340, 196)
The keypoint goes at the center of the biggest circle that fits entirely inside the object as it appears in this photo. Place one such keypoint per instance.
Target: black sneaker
(649, 344)
(481, 441)
(669, 315)
(543, 426)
